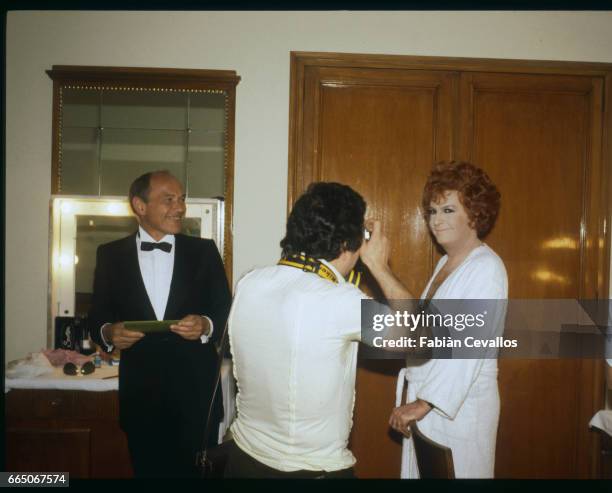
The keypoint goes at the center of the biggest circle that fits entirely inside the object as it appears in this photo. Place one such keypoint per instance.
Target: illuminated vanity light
(91, 223)
(116, 209)
(76, 259)
(66, 260)
(67, 207)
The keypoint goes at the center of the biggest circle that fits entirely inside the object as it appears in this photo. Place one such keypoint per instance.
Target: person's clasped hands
(191, 328)
(120, 337)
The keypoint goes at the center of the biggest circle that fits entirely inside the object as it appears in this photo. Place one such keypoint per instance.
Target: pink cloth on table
(59, 357)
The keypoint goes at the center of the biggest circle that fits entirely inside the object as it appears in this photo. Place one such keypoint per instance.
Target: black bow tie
(147, 246)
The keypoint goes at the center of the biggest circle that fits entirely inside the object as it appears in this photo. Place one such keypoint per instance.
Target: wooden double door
(378, 123)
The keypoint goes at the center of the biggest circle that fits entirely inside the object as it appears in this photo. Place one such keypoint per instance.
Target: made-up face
(163, 213)
(449, 222)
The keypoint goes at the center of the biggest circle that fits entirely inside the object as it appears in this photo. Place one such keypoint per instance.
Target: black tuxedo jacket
(163, 376)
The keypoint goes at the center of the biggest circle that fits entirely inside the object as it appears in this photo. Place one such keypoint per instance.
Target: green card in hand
(150, 326)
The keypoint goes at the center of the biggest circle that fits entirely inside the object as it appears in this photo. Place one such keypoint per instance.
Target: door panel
(533, 135)
(378, 123)
(533, 142)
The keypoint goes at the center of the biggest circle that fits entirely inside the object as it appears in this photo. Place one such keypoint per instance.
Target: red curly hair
(477, 192)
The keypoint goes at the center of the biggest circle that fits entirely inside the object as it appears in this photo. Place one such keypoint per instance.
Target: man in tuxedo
(166, 380)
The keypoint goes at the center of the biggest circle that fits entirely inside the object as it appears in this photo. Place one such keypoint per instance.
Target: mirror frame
(155, 79)
(63, 234)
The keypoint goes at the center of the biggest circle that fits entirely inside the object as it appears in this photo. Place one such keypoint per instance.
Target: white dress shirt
(156, 267)
(293, 337)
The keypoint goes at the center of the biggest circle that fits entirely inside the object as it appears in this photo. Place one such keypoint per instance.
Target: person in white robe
(455, 401)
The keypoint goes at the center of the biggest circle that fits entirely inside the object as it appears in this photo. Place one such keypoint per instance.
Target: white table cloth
(603, 421)
(96, 382)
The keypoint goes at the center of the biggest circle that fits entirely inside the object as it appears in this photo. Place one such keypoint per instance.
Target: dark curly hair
(325, 221)
(477, 192)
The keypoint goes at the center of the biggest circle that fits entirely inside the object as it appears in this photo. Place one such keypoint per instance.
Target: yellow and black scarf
(309, 264)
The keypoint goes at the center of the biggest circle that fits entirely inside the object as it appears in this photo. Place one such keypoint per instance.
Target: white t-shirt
(294, 338)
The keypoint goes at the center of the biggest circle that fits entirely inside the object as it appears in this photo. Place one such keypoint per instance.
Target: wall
(257, 46)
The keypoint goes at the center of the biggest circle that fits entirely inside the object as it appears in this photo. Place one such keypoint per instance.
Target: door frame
(300, 174)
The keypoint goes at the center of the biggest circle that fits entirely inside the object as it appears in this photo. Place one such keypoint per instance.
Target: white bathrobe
(463, 391)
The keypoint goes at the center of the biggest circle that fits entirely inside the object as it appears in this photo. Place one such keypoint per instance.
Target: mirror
(112, 124)
(81, 224)
(110, 137)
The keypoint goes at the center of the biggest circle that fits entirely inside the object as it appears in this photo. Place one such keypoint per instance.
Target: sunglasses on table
(86, 369)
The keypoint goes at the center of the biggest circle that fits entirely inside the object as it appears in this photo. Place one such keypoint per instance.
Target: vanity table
(71, 423)
(111, 125)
